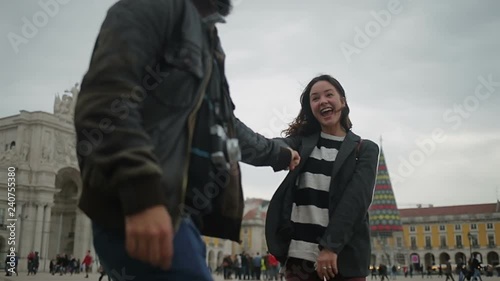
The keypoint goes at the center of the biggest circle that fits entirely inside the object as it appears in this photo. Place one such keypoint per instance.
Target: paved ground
(80, 277)
(77, 277)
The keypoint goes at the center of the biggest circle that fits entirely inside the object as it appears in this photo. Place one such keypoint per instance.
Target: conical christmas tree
(384, 213)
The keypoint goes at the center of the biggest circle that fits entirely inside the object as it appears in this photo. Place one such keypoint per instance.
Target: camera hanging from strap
(225, 149)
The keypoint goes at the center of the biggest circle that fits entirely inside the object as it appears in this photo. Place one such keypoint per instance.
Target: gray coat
(351, 192)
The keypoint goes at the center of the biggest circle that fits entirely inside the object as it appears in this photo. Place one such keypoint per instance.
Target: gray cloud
(418, 67)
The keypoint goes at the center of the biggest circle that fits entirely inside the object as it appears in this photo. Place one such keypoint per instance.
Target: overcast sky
(415, 72)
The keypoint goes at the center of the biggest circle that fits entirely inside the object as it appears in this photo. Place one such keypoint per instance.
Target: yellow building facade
(435, 235)
(217, 249)
(252, 235)
(429, 237)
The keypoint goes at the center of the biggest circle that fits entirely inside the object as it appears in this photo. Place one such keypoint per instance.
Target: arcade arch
(429, 260)
(444, 258)
(460, 257)
(64, 212)
(220, 258)
(478, 255)
(492, 258)
(211, 261)
(415, 259)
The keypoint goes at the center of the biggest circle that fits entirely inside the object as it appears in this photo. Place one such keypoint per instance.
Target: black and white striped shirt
(310, 207)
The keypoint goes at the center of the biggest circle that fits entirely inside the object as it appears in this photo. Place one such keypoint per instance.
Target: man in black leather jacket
(153, 110)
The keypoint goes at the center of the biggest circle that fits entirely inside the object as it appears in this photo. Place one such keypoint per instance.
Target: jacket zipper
(191, 124)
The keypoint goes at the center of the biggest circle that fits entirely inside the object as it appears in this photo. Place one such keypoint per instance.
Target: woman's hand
(326, 264)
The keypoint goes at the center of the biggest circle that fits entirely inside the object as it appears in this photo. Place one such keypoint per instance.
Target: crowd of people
(247, 267)
(473, 270)
(33, 263)
(62, 264)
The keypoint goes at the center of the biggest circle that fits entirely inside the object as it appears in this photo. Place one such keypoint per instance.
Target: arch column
(82, 235)
(37, 239)
(46, 233)
(19, 216)
(29, 218)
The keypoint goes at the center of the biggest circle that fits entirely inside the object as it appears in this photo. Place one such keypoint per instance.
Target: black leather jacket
(136, 113)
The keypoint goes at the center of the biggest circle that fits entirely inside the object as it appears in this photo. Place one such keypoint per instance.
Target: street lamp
(470, 245)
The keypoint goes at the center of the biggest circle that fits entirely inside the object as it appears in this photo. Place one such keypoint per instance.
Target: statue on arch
(64, 106)
(74, 90)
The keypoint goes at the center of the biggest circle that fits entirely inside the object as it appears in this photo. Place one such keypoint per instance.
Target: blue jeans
(461, 276)
(188, 262)
(477, 274)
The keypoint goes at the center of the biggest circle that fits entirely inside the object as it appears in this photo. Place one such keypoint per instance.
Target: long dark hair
(305, 123)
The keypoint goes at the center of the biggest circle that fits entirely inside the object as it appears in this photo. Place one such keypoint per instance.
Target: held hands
(326, 264)
(149, 237)
(295, 159)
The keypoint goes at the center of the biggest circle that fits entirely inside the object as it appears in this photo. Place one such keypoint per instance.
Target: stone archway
(443, 258)
(492, 258)
(415, 258)
(220, 258)
(211, 261)
(65, 214)
(478, 255)
(429, 260)
(460, 257)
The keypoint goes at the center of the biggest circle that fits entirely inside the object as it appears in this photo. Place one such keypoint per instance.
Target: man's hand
(149, 236)
(295, 160)
(326, 264)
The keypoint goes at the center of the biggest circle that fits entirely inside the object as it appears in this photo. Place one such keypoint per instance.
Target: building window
(491, 240)
(473, 241)
(412, 228)
(458, 227)
(427, 228)
(413, 241)
(428, 243)
(489, 225)
(443, 241)
(442, 227)
(458, 241)
(399, 242)
(473, 226)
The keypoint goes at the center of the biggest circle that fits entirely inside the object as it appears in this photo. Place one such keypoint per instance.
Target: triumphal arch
(41, 148)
